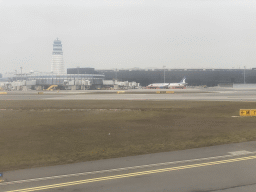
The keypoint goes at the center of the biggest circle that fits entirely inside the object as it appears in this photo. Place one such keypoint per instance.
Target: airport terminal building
(89, 78)
(194, 77)
(43, 81)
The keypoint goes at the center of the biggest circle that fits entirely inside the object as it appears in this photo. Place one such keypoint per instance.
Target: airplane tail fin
(183, 80)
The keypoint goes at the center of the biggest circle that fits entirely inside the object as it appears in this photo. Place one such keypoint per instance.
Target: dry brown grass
(32, 135)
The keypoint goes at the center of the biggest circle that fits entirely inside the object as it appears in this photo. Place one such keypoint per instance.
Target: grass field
(42, 133)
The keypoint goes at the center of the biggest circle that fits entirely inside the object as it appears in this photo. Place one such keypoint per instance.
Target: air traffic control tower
(57, 58)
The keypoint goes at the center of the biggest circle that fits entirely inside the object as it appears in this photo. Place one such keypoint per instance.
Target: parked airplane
(158, 86)
(182, 84)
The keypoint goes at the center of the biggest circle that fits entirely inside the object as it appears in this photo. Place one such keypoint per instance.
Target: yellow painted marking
(40, 92)
(118, 92)
(165, 92)
(245, 112)
(3, 93)
(253, 112)
(132, 174)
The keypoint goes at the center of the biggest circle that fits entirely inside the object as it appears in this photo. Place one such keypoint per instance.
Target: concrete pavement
(229, 167)
(210, 94)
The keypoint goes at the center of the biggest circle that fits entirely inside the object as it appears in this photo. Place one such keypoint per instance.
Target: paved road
(228, 168)
(188, 94)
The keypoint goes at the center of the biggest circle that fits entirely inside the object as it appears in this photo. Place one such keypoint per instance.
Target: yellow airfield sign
(253, 112)
(247, 112)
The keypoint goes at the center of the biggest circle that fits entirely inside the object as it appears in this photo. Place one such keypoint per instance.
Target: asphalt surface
(208, 94)
(219, 168)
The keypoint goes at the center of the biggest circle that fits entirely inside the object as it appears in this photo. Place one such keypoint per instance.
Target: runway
(218, 168)
(210, 94)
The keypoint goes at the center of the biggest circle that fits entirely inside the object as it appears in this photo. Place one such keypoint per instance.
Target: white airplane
(182, 84)
(158, 86)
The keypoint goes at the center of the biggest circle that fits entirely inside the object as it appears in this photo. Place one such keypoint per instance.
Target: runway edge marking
(132, 174)
(232, 154)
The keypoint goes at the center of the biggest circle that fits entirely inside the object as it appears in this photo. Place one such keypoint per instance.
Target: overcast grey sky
(108, 34)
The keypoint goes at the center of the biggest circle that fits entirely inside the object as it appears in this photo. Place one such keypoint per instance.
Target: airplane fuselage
(158, 86)
(182, 84)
